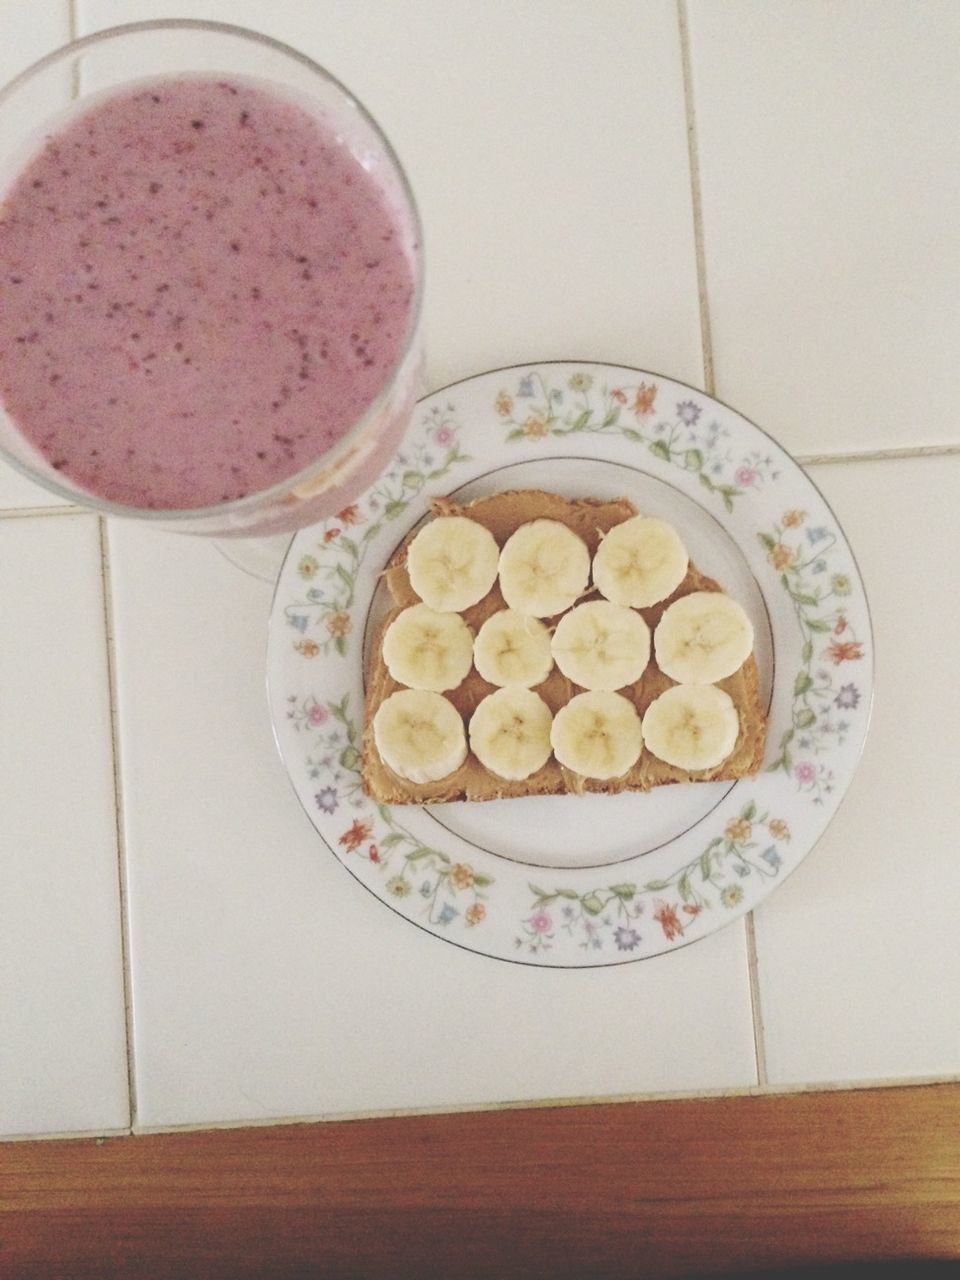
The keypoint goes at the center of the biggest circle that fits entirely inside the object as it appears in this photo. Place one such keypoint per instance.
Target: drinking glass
(138, 51)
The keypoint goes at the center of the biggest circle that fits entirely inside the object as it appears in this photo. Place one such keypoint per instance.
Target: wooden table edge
(675, 1187)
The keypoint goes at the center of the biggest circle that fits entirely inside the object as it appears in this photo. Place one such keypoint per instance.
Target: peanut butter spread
(502, 514)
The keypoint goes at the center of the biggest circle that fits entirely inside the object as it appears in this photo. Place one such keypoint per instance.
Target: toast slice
(502, 514)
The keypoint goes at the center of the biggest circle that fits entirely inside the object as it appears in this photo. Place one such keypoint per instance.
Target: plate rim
(535, 960)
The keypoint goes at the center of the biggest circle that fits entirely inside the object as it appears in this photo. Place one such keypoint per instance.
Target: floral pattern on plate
(612, 914)
(539, 409)
(323, 612)
(714, 869)
(449, 890)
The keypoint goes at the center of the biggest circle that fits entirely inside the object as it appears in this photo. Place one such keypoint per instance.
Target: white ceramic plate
(573, 881)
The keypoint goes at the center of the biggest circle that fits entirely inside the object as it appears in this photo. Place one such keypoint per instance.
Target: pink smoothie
(200, 291)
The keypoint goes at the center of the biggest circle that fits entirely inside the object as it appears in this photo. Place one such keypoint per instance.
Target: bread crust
(503, 513)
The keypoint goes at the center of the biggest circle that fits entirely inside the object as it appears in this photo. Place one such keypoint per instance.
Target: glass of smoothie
(210, 281)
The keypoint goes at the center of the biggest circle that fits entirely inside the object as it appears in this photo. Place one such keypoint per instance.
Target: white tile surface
(829, 144)
(548, 151)
(27, 32)
(19, 494)
(30, 31)
(552, 174)
(62, 1043)
(859, 963)
(267, 983)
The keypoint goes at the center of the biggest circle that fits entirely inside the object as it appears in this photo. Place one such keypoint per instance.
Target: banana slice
(419, 735)
(640, 562)
(692, 726)
(510, 733)
(702, 637)
(513, 649)
(597, 734)
(544, 568)
(424, 649)
(452, 563)
(601, 645)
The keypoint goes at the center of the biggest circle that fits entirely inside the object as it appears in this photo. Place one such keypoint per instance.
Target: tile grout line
(893, 454)
(693, 156)
(756, 1009)
(33, 513)
(718, 1094)
(709, 383)
(107, 585)
(564, 1102)
(878, 455)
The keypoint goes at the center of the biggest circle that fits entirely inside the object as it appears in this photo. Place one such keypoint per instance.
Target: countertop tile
(829, 162)
(267, 983)
(548, 151)
(858, 959)
(30, 31)
(550, 160)
(17, 493)
(62, 1046)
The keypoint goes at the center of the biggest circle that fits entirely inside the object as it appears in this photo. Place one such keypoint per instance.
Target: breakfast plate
(575, 881)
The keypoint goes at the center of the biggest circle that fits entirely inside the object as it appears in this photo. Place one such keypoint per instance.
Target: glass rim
(330, 459)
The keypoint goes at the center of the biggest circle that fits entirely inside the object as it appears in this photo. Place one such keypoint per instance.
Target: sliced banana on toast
(600, 645)
(691, 726)
(513, 649)
(597, 734)
(544, 568)
(640, 562)
(420, 735)
(510, 733)
(424, 649)
(452, 563)
(703, 637)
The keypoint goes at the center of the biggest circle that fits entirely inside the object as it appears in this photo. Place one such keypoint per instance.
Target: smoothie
(201, 290)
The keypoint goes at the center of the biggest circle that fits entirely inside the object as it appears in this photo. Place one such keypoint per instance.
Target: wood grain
(630, 1189)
